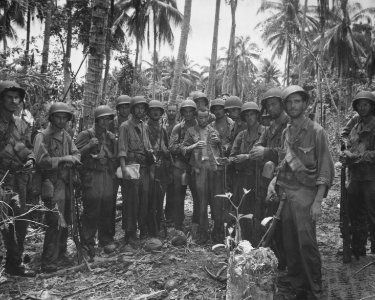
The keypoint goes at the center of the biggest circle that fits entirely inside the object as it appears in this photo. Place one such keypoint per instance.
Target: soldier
(171, 123)
(232, 107)
(201, 101)
(18, 159)
(247, 170)
(360, 159)
(203, 145)
(98, 151)
(304, 176)
(134, 149)
(219, 206)
(123, 113)
(181, 167)
(159, 176)
(55, 154)
(266, 150)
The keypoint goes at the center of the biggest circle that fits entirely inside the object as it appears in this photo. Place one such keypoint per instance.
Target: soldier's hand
(316, 210)
(29, 164)
(200, 144)
(125, 174)
(241, 158)
(215, 139)
(257, 153)
(93, 141)
(70, 160)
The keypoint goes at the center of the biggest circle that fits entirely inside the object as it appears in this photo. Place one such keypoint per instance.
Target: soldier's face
(188, 113)
(155, 114)
(11, 101)
(251, 117)
(218, 111)
(295, 105)
(201, 102)
(171, 113)
(234, 113)
(103, 122)
(273, 107)
(60, 119)
(203, 118)
(139, 111)
(124, 110)
(364, 107)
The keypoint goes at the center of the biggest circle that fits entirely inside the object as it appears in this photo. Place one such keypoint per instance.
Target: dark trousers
(155, 205)
(97, 198)
(14, 235)
(169, 200)
(361, 196)
(299, 233)
(135, 209)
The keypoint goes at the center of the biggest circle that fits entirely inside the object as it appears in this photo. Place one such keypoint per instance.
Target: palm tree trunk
(4, 33)
(67, 79)
(47, 35)
(300, 71)
(154, 60)
(27, 47)
(289, 53)
(212, 74)
(181, 53)
(94, 72)
(135, 64)
(231, 72)
(108, 45)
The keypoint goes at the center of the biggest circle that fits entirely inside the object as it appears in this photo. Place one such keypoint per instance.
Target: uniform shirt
(271, 140)
(158, 137)
(169, 127)
(243, 143)
(310, 153)
(225, 135)
(361, 141)
(133, 141)
(238, 126)
(15, 144)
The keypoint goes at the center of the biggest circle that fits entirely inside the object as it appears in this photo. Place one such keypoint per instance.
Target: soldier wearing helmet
(55, 154)
(202, 144)
(266, 152)
(359, 159)
(181, 167)
(98, 155)
(245, 167)
(232, 107)
(201, 101)
(16, 157)
(160, 175)
(304, 176)
(123, 112)
(135, 154)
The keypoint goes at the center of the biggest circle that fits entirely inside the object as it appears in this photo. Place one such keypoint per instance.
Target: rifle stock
(344, 220)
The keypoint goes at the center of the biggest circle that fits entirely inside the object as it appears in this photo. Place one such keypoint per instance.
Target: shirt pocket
(306, 155)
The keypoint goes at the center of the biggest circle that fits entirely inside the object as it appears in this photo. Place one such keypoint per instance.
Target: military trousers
(98, 207)
(135, 210)
(299, 236)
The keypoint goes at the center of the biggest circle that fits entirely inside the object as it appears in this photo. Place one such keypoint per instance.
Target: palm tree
(47, 35)
(269, 72)
(181, 53)
(95, 59)
(13, 13)
(284, 23)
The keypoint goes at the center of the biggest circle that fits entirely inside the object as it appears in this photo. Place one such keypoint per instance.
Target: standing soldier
(181, 167)
(219, 207)
(203, 145)
(169, 199)
(159, 175)
(359, 156)
(55, 154)
(123, 113)
(134, 148)
(202, 102)
(98, 146)
(18, 159)
(304, 176)
(247, 170)
(266, 150)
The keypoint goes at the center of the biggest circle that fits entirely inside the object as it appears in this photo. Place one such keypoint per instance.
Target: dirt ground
(177, 272)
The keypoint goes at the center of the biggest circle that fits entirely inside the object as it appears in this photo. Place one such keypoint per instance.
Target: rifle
(267, 237)
(345, 226)
(258, 211)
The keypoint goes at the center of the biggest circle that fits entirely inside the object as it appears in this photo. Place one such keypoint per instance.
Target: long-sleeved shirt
(225, 135)
(305, 157)
(271, 140)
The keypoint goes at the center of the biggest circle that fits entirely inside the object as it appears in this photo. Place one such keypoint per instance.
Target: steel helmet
(60, 107)
(138, 100)
(123, 99)
(199, 95)
(187, 103)
(251, 105)
(292, 89)
(155, 104)
(233, 102)
(217, 102)
(103, 110)
(8, 85)
(271, 93)
(363, 95)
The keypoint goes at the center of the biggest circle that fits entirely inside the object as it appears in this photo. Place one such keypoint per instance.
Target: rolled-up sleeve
(123, 141)
(42, 158)
(326, 170)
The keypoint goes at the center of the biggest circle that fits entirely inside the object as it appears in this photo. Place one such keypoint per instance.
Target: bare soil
(177, 272)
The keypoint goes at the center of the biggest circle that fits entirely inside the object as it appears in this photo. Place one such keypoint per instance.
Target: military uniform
(97, 179)
(50, 147)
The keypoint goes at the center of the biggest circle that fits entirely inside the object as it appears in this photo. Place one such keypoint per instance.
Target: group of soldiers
(153, 152)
